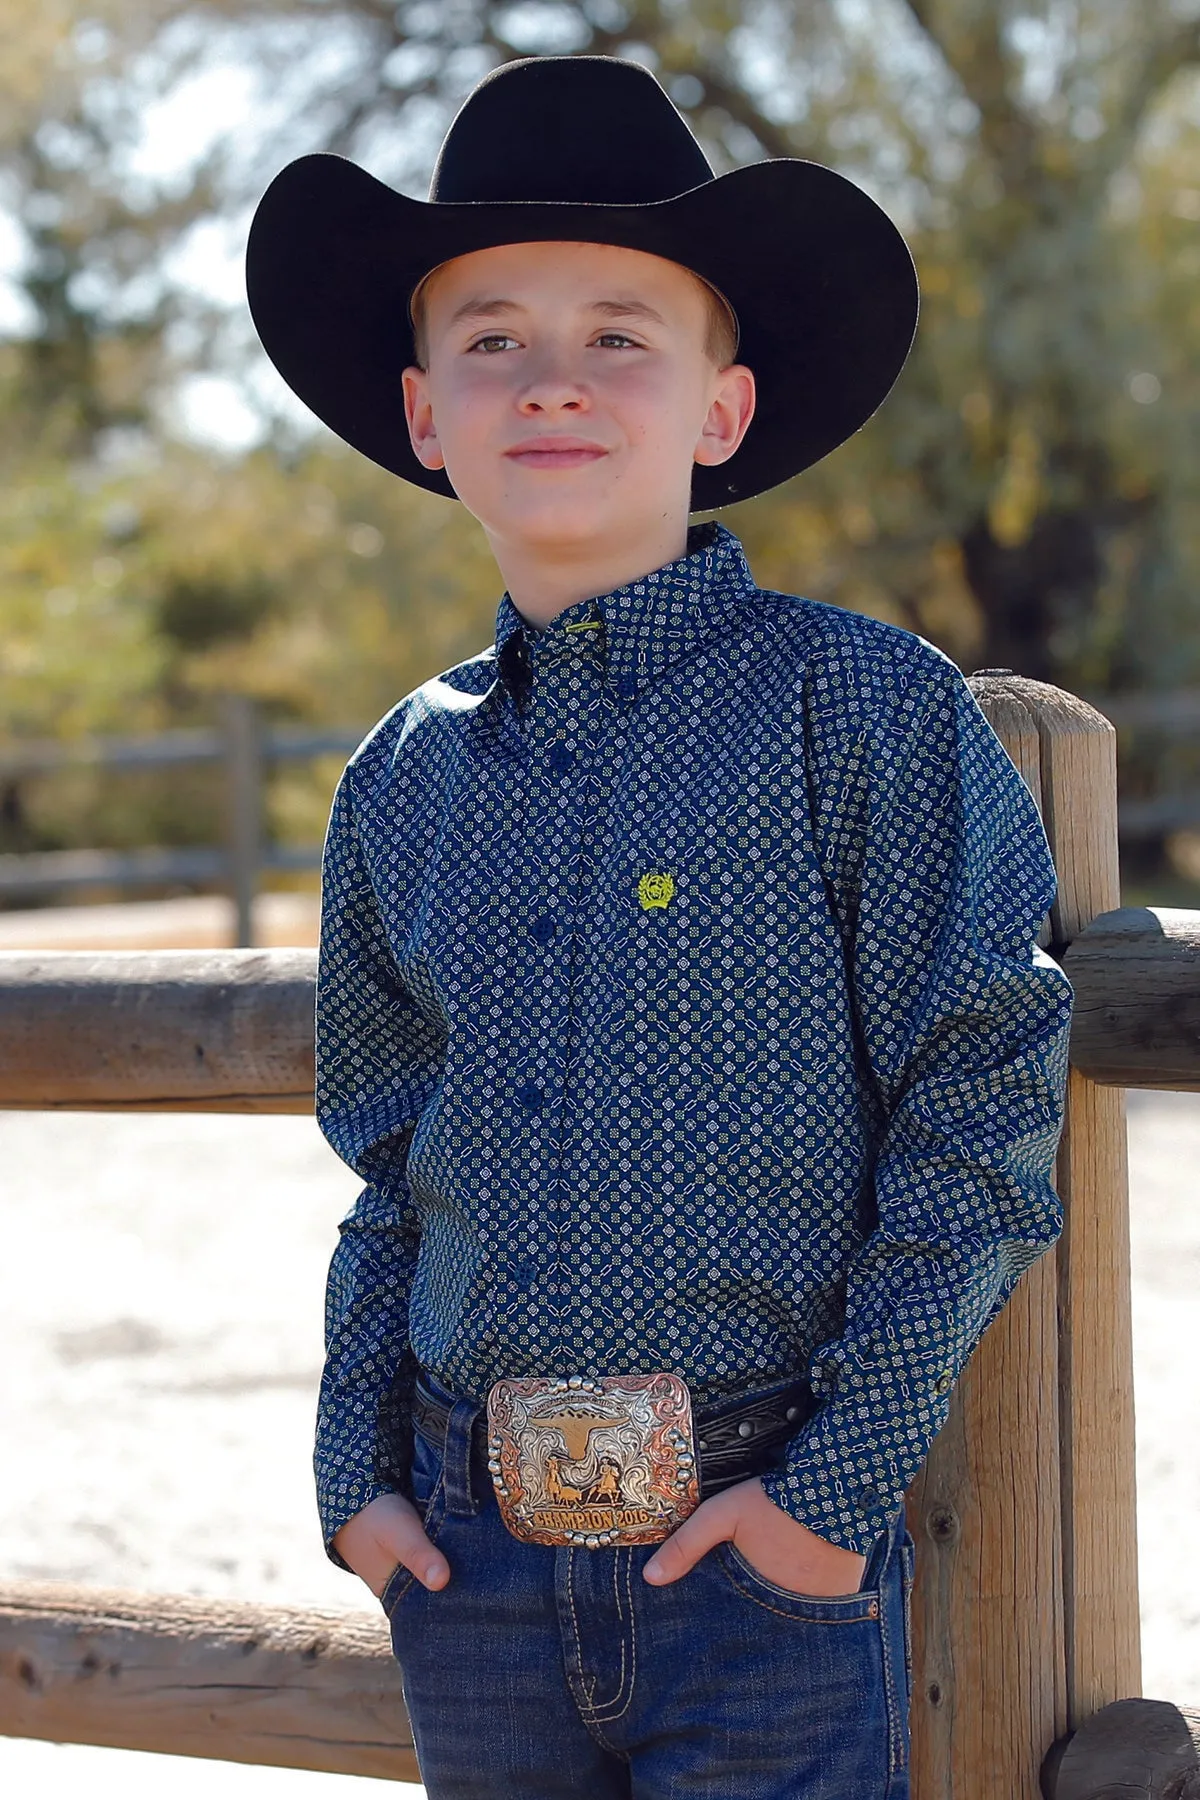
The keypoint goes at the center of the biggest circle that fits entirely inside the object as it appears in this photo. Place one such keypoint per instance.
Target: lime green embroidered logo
(655, 890)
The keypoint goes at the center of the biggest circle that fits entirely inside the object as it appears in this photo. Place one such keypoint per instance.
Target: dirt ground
(161, 1292)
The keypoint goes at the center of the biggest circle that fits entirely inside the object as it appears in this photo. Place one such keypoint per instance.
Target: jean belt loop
(896, 1530)
(456, 1474)
(884, 1549)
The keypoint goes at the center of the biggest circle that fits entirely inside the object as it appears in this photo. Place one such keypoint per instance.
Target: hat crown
(591, 129)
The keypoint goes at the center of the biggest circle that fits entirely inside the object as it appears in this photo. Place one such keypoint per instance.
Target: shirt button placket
(554, 842)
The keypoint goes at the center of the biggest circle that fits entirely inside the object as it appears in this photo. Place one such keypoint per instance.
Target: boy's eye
(495, 340)
(619, 339)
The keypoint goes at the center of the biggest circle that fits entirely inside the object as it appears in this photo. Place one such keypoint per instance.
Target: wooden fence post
(244, 774)
(1025, 1615)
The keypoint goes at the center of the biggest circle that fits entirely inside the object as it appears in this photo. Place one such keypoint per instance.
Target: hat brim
(822, 282)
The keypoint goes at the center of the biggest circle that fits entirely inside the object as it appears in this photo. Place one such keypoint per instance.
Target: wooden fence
(1027, 1671)
(241, 745)
(245, 747)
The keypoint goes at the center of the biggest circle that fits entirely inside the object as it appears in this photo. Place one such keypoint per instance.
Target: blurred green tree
(1027, 496)
(1022, 496)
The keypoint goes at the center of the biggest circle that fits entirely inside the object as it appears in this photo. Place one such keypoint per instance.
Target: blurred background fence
(244, 751)
(175, 529)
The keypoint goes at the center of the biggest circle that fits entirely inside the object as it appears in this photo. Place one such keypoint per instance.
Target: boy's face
(569, 391)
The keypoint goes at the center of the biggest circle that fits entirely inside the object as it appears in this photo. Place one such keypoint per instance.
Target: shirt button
(943, 1384)
(543, 928)
(530, 1096)
(745, 1429)
(561, 758)
(870, 1500)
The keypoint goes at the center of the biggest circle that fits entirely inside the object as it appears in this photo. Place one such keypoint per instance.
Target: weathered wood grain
(1136, 1018)
(167, 1672)
(1131, 1750)
(989, 1676)
(1026, 1601)
(1096, 1407)
(158, 1030)
(231, 1030)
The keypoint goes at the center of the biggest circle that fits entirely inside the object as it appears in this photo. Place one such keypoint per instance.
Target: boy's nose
(553, 388)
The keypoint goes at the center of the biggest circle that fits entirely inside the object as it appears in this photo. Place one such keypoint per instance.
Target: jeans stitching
(586, 1682)
(387, 1599)
(605, 1710)
(873, 1596)
(390, 1603)
(895, 1739)
(908, 1555)
(610, 1711)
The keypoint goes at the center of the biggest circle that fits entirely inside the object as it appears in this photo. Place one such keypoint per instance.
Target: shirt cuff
(846, 1470)
(833, 1502)
(362, 1450)
(351, 1498)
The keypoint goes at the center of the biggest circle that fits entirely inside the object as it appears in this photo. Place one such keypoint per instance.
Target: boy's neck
(542, 582)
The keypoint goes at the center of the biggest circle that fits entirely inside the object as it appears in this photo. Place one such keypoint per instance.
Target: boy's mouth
(555, 452)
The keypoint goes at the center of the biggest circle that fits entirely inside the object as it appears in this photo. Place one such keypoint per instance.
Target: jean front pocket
(394, 1586)
(818, 1609)
(428, 1495)
(402, 1578)
(426, 1472)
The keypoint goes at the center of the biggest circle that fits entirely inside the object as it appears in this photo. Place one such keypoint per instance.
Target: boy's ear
(728, 417)
(418, 410)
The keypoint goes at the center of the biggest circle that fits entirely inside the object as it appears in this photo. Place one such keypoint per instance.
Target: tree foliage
(1026, 497)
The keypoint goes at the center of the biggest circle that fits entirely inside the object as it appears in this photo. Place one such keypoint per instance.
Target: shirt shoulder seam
(879, 651)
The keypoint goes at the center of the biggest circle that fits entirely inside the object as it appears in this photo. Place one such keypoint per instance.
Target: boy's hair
(720, 337)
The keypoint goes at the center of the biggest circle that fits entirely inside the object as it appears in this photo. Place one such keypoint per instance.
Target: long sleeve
(943, 874)
(378, 1060)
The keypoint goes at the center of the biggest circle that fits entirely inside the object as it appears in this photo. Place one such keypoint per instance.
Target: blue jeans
(541, 1673)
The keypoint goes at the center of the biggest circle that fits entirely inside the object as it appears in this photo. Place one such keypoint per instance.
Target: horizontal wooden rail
(242, 744)
(302, 1689)
(58, 871)
(1136, 1017)
(167, 1672)
(1131, 1750)
(45, 756)
(157, 1030)
(231, 1030)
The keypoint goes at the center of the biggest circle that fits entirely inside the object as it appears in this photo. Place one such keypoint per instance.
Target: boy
(678, 998)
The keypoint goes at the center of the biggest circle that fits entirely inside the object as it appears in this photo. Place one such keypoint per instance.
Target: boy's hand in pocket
(778, 1546)
(386, 1532)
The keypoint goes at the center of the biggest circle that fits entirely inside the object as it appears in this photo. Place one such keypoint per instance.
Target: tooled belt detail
(734, 1438)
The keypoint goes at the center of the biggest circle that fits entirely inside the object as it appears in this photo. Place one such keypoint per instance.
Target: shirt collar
(644, 626)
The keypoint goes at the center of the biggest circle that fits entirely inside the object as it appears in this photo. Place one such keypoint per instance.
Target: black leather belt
(736, 1437)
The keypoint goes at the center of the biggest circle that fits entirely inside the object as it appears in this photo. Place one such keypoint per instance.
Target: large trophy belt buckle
(592, 1460)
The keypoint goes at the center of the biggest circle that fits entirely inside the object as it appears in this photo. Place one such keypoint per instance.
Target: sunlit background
(175, 529)
(205, 600)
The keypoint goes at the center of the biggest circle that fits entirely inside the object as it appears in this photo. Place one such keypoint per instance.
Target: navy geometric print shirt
(679, 1004)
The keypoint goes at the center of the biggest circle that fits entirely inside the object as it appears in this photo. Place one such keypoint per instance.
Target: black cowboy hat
(588, 149)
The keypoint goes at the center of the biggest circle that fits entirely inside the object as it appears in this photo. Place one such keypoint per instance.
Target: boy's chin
(565, 521)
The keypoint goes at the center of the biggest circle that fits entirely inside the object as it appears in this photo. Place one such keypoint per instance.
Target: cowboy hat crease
(588, 150)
